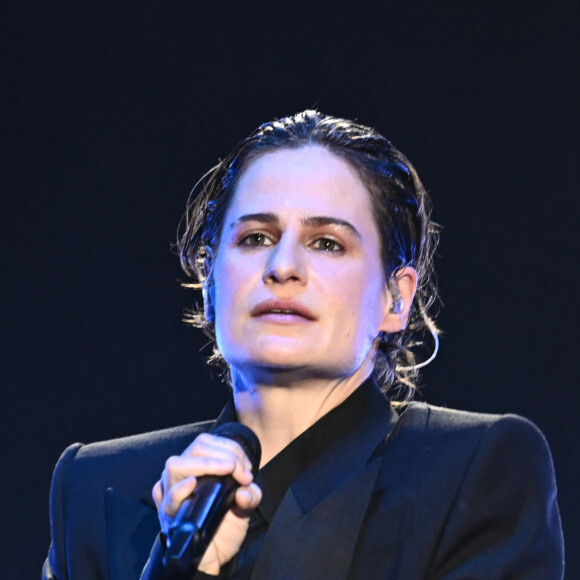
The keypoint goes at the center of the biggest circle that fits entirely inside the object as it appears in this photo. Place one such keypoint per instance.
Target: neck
(278, 410)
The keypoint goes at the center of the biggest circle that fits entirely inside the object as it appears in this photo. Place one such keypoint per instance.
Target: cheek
(224, 280)
(226, 293)
(233, 279)
(369, 305)
(358, 302)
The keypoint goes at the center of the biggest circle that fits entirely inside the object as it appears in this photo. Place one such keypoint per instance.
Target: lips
(282, 308)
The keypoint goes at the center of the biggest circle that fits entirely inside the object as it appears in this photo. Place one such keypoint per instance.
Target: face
(298, 282)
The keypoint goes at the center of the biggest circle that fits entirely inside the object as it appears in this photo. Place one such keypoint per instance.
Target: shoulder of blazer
(475, 472)
(444, 421)
(145, 442)
(430, 440)
(128, 464)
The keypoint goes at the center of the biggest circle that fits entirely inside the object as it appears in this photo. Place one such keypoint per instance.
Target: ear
(400, 291)
(207, 288)
(207, 261)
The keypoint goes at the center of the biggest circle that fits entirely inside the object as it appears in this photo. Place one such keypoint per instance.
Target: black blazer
(422, 493)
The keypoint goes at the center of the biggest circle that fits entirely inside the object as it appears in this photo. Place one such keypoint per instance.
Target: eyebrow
(312, 221)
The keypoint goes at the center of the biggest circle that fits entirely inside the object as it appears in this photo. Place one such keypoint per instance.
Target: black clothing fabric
(421, 493)
(277, 475)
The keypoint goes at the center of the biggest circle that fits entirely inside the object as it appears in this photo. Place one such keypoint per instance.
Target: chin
(278, 362)
(270, 359)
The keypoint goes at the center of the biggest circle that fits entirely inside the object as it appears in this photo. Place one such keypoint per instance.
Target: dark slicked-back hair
(401, 208)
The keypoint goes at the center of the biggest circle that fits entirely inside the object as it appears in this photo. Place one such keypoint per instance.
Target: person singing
(312, 243)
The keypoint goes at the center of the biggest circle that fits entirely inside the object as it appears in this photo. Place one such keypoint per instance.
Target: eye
(256, 239)
(327, 245)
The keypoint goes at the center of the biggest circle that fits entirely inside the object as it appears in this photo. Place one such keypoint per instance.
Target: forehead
(310, 179)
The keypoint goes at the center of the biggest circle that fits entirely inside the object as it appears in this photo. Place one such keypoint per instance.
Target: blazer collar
(324, 509)
(350, 454)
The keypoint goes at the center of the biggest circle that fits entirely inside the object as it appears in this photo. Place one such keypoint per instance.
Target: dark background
(113, 110)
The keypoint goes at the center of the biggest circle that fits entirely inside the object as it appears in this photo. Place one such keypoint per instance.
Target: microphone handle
(197, 521)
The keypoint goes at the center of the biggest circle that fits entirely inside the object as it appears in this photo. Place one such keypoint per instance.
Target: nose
(285, 263)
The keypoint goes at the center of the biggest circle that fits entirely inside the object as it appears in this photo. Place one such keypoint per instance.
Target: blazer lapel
(296, 540)
(323, 511)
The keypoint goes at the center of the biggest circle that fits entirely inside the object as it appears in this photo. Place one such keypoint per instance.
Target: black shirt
(277, 475)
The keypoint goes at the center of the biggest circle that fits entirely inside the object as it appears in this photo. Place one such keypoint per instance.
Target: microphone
(200, 515)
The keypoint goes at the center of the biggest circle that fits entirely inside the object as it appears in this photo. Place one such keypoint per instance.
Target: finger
(175, 496)
(248, 497)
(207, 444)
(225, 447)
(178, 468)
(157, 494)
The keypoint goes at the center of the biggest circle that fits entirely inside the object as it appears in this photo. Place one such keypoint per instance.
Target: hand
(209, 455)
